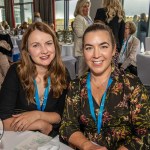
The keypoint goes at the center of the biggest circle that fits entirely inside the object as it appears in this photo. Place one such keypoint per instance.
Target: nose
(44, 49)
(97, 52)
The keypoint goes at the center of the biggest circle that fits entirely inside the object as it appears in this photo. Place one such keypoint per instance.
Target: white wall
(94, 5)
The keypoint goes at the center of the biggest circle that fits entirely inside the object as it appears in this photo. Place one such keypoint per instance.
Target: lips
(97, 62)
(44, 57)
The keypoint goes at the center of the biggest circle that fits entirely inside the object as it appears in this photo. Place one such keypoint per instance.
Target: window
(64, 6)
(23, 10)
(2, 11)
(59, 14)
(72, 5)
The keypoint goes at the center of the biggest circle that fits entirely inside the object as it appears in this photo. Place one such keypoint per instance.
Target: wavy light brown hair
(113, 8)
(27, 70)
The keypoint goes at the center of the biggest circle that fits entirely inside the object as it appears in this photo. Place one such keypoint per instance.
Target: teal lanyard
(125, 45)
(37, 99)
(90, 99)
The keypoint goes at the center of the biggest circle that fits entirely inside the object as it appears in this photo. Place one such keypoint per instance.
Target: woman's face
(85, 9)
(41, 48)
(98, 51)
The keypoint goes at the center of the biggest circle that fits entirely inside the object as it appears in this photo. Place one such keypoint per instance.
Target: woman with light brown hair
(113, 15)
(33, 92)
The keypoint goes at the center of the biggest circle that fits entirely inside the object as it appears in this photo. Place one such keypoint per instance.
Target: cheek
(87, 56)
(33, 53)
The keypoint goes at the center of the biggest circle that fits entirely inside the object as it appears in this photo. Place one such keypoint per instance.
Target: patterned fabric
(125, 117)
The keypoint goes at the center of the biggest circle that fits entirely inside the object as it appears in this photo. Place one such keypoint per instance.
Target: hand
(22, 121)
(122, 148)
(5, 45)
(91, 146)
(46, 127)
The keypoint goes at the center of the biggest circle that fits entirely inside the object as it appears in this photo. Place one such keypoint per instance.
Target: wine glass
(1, 129)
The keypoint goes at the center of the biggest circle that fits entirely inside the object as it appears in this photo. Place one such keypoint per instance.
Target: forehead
(38, 35)
(97, 36)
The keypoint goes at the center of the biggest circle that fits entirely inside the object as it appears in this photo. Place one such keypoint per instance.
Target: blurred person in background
(130, 48)
(5, 25)
(142, 28)
(37, 17)
(81, 22)
(113, 15)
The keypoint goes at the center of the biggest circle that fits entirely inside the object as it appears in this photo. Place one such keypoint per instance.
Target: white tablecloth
(69, 62)
(66, 49)
(11, 139)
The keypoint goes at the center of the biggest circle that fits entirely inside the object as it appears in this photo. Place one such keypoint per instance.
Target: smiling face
(98, 51)
(41, 48)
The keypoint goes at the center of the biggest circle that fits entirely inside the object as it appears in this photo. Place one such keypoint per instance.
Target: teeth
(97, 62)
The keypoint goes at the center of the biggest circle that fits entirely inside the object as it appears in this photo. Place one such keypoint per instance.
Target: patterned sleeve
(140, 119)
(70, 122)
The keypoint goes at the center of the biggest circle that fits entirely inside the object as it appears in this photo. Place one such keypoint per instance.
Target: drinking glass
(1, 130)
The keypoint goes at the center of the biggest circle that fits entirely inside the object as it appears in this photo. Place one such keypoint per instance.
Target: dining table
(30, 140)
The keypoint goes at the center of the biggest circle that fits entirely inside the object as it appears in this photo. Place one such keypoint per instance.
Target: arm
(133, 47)
(139, 107)
(78, 26)
(70, 127)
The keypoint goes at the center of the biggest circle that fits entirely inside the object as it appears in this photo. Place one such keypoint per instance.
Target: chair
(147, 43)
(143, 68)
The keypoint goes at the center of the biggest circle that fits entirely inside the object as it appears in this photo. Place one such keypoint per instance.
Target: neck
(41, 71)
(99, 80)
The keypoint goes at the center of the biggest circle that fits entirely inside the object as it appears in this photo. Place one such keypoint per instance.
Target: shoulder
(101, 10)
(79, 17)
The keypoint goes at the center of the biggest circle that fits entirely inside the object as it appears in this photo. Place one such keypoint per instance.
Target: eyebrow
(99, 44)
(38, 42)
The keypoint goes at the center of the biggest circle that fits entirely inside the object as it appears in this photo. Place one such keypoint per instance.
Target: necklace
(102, 84)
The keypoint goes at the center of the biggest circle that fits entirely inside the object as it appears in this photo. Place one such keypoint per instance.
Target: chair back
(143, 68)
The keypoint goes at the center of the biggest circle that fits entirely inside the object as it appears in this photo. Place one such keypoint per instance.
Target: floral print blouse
(126, 116)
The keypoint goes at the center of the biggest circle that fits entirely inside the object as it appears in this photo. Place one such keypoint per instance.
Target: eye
(35, 45)
(104, 46)
(49, 43)
(88, 48)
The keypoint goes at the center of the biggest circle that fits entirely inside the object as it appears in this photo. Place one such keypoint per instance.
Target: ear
(114, 50)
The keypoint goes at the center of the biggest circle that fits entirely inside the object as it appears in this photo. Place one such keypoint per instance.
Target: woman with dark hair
(142, 28)
(33, 92)
(105, 109)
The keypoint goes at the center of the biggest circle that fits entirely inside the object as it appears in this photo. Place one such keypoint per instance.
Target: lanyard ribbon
(90, 99)
(46, 92)
(125, 45)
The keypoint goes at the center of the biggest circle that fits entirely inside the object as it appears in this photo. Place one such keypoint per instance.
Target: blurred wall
(95, 4)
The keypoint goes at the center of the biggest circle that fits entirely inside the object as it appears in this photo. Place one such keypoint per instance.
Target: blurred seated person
(5, 25)
(33, 93)
(6, 45)
(52, 26)
(1, 27)
(105, 109)
(37, 17)
(4, 63)
(130, 48)
(24, 26)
